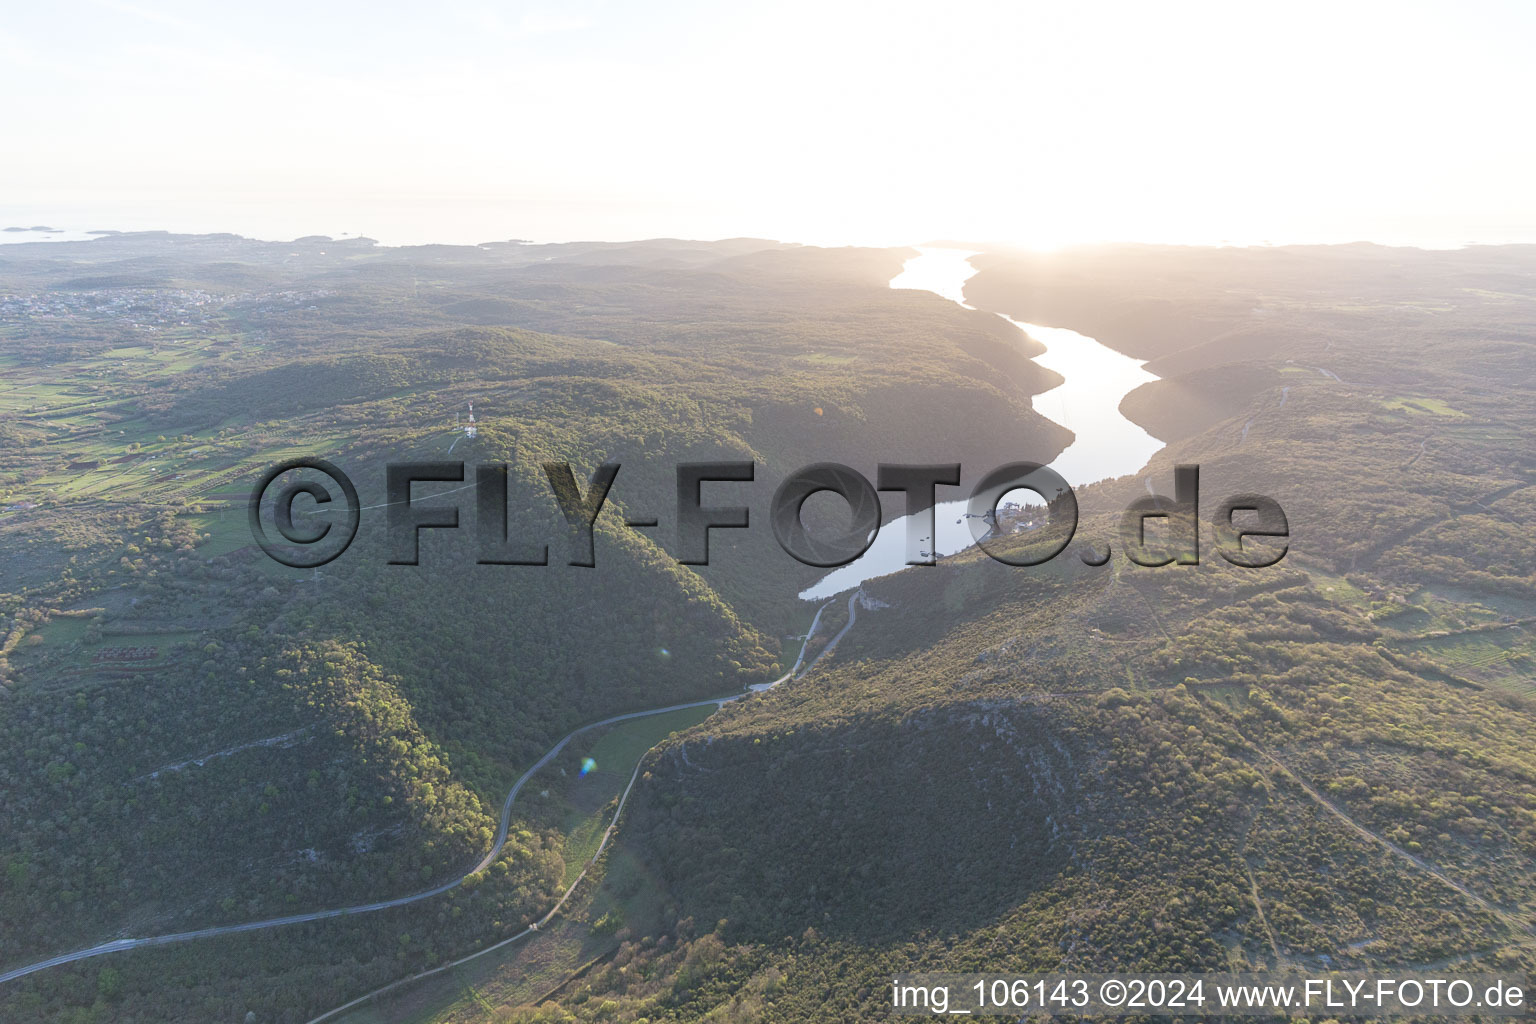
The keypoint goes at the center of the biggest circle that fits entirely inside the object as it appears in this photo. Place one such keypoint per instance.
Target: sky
(1037, 124)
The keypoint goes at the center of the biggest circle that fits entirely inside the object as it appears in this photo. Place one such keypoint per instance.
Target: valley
(283, 774)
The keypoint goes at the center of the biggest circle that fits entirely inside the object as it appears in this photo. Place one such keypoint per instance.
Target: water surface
(1087, 402)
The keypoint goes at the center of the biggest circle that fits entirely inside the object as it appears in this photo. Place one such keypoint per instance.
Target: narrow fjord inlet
(1087, 402)
(767, 513)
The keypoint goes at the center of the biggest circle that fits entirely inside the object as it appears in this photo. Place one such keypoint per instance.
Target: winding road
(121, 945)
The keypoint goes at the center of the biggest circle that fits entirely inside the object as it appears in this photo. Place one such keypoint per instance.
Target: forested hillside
(196, 736)
(1322, 764)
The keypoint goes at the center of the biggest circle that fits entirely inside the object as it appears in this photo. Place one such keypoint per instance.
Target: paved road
(607, 834)
(793, 669)
(119, 945)
(853, 600)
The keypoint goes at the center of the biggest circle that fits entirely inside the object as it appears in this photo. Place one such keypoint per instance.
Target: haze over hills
(1323, 763)
(480, 298)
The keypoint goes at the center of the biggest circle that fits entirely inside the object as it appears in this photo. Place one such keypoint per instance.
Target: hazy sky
(882, 122)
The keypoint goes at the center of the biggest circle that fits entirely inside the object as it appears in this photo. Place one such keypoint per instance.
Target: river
(1095, 378)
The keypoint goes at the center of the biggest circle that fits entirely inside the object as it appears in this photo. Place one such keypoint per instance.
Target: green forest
(1321, 764)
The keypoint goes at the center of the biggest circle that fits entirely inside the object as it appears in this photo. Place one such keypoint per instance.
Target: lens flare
(587, 766)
